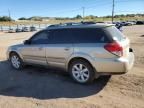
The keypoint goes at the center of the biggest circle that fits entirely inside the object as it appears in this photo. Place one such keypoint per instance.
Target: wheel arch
(87, 59)
(14, 52)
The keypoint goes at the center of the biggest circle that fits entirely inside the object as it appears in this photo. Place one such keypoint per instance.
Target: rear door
(60, 47)
(90, 42)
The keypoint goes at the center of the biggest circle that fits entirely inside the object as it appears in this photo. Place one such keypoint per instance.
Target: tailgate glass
(115, 33)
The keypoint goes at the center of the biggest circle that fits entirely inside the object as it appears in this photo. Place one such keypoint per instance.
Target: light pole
(113, 8)
(9, 18)
(83, 12)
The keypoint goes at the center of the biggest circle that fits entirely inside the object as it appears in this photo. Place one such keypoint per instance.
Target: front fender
(15, 50)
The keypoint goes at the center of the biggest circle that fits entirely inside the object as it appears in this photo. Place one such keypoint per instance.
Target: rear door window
(61, 36)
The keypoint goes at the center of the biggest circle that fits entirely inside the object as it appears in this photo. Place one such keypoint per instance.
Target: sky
(68, 8)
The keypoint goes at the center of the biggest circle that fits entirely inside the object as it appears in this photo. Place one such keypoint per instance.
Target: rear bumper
(114, 66)
(130, 62)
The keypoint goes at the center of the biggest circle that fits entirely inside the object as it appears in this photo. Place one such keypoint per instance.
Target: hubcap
(80, 72)
(15, 61)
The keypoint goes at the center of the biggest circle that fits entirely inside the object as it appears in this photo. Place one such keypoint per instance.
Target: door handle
(40, 48)
(67, 49)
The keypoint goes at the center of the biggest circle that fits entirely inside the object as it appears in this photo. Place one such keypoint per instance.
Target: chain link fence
(20, 26)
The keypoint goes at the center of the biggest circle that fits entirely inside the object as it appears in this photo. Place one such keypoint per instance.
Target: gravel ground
(39, 87)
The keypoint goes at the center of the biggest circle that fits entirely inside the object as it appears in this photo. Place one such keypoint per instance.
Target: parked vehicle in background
(126, 23)
(132, 22)
(25, 29)
(140, 22)
(84, 50)
(119, 26)
(32, 28)
(18, 30)
(11, 30)
(129, 23)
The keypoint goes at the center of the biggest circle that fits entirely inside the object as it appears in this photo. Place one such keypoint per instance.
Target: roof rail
(88, 22)
(72, 24)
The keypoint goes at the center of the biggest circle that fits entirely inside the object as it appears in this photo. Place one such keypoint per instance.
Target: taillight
(114, 48)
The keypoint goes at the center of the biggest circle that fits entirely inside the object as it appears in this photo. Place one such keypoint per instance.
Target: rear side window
(89, 35)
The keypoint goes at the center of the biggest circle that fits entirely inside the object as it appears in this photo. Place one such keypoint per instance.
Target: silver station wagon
(84, 50)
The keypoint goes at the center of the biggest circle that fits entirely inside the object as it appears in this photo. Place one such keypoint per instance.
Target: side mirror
(26, 42)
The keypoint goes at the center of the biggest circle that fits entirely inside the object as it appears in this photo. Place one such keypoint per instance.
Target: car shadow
(43, 83)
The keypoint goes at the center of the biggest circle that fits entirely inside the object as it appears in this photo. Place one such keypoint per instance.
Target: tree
(35, 18)
(108, 16)
(22, 18)
(5, 18)
(78, 17)
(91, 17)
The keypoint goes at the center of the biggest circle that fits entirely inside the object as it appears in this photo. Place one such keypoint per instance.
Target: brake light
(114, 48)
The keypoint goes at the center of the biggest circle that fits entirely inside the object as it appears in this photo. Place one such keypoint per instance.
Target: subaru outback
(84, 50)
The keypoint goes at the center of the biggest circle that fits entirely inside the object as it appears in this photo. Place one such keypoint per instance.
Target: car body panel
(34, 54)
(57, 54)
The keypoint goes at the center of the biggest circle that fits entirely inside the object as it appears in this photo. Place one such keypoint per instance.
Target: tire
(16, 61)
(81, 71)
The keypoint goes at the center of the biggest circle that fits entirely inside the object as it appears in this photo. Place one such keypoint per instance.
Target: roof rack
(72, 24)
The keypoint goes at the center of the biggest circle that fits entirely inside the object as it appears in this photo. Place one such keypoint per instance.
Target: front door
(35, 51)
